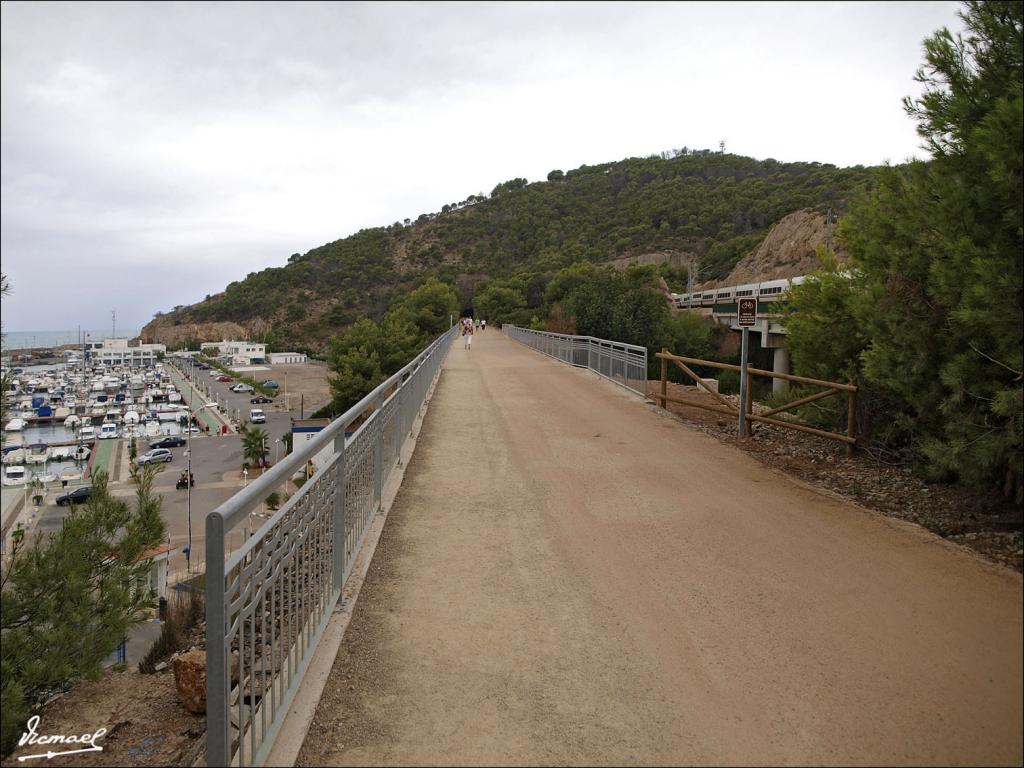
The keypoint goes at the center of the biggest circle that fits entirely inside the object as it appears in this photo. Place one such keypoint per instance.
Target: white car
(240, 387)
(257, 416)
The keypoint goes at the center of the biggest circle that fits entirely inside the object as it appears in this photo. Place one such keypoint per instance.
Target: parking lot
(216, 458)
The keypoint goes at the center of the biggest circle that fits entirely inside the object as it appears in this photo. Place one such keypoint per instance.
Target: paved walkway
(195, 399)
(569, 577)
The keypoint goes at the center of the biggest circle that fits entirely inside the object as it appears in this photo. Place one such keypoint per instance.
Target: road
(569, 577)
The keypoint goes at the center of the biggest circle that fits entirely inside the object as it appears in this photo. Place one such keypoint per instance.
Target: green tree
(939, 245)
(430, 306)
(255, 443)
(71, 596)
(501, 301)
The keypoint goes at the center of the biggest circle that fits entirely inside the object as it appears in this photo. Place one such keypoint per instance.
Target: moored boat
(16, 476)
(16, 456)
(36, 454)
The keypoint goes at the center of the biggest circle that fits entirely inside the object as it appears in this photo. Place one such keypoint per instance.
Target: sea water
(15, 340)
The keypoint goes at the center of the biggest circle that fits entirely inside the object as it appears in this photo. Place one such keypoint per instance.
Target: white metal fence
(625, 364)
(268, 603)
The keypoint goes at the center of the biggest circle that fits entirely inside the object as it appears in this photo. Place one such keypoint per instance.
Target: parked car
(172, 441)
(154, 456)
(270, 384)
(261, 399)
(257, 416)
(224, 378)
(240, 387)
(77, 496)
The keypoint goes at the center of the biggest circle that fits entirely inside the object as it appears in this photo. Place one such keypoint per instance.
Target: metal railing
(625, 364)
(268, 603)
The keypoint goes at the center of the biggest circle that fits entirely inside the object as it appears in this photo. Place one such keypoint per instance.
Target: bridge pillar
(780, 364)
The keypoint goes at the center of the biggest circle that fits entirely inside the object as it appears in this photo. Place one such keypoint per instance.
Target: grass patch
(184, 612)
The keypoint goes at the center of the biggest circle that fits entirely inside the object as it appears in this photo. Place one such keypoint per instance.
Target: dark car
(270, 384)
(77, 496)
(224, 378)
(261, 399)
(168, 442)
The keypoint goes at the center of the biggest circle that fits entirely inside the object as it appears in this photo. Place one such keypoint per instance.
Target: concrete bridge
(567, 575)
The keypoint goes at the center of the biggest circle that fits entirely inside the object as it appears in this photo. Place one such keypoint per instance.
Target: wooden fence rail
(724, 406)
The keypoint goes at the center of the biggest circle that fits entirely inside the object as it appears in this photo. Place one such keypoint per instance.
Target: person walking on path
(467, 333)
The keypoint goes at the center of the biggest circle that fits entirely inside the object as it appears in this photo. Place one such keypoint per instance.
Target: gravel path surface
(568, 577)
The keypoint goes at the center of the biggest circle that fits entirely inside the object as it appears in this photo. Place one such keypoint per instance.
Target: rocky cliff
(787, 251)
(163, 330)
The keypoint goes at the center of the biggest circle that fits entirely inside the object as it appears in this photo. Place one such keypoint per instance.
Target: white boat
(62, 412)
(16, 476)
(17, 456)
(71, 473)
(72, 421)
(112, 416)
(108, 431)
(15, 425)
(47, 477)
(60, 453)
(36, 454)
(131, 417)
(152, 428)
(87, 433)
(81, 453)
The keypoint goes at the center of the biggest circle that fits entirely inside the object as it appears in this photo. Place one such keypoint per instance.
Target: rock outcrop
(162, 330)
(787, 251)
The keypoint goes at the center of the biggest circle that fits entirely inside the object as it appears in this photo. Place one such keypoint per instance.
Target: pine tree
(940, 244)
(70, 597)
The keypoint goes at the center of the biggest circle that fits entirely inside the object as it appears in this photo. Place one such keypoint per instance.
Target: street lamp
(188, 477)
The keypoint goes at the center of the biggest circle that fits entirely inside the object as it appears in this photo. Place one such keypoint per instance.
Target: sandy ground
(568, 577)
(301, 383)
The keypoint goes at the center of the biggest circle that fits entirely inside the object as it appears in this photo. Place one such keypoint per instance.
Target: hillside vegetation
(712, 208)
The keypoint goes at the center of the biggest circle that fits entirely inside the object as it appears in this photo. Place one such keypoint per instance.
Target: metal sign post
(746, 317)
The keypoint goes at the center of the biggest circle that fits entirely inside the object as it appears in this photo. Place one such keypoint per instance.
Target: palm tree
(254, 445)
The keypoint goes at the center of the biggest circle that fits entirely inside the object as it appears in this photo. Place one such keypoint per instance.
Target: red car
(224, 378)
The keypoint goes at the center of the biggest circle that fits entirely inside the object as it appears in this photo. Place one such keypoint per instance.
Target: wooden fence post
(664, 378)
(851, 416)
(749, 404)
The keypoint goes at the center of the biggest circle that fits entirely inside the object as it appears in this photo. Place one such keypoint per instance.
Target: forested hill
(712, 207)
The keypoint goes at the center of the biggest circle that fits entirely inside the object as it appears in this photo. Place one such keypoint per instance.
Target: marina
(58, 417)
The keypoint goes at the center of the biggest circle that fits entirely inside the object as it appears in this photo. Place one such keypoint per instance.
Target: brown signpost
(746, 316)
(747, 312)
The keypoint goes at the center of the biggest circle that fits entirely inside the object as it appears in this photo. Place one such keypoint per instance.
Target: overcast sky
(154, 152)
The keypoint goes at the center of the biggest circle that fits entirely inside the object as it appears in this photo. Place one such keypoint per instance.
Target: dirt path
(568, 577)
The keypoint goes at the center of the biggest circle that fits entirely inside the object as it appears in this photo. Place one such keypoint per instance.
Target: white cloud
(216, 139)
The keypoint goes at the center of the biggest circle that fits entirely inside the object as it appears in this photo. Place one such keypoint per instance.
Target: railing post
(340, 480)
(378, 452)
(399, 416)
(664, 378)
(851, 416)
(218, 742)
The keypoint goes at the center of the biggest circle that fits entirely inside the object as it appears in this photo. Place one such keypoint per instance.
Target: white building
(240, 352)
(281, 358)
(118, 352)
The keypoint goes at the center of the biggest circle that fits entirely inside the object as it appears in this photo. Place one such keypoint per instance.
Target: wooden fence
(724, 406)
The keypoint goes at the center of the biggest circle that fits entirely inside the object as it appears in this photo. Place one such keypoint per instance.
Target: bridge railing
(268, 603)
(625, 364)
